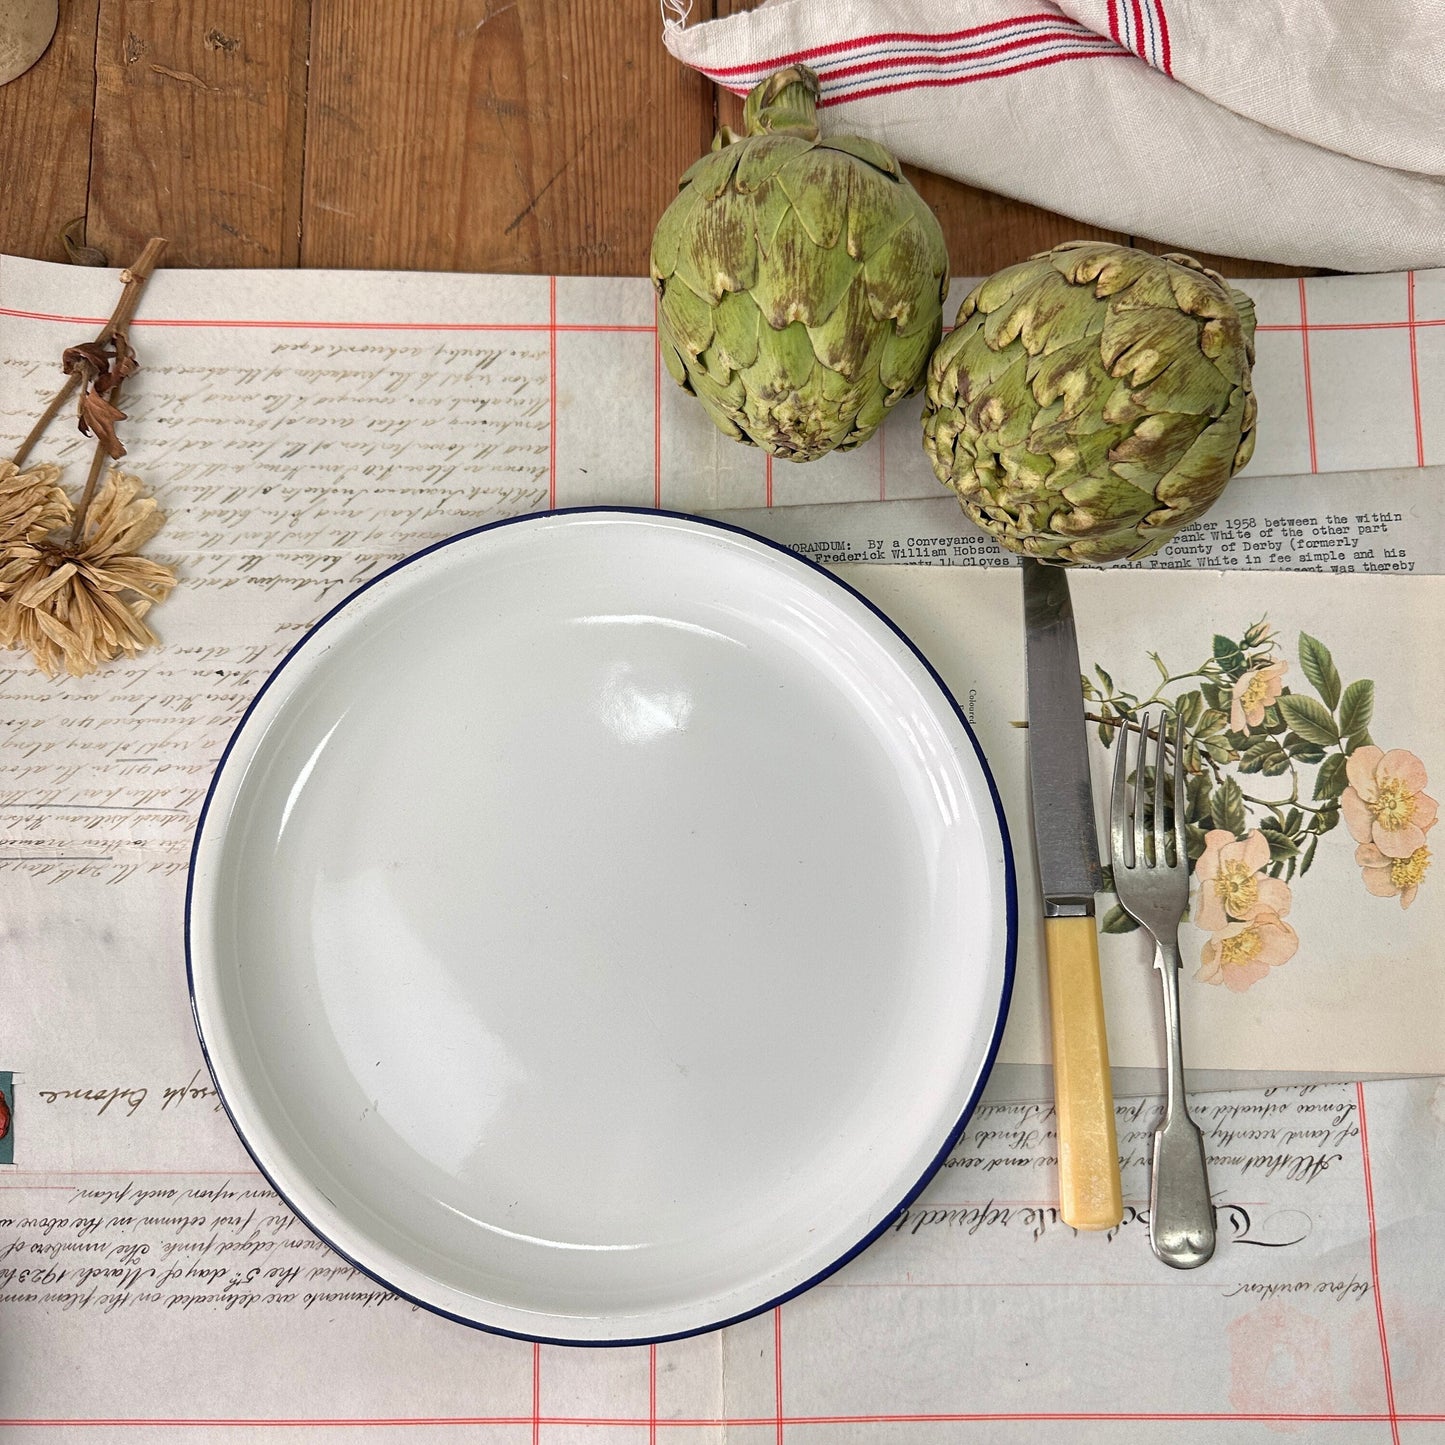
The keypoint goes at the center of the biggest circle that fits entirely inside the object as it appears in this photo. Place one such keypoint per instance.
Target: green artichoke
(1093, 400)
(800, 279)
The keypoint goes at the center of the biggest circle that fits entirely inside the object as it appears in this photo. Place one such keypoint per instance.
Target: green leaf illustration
(1116, 920)
(1310, 719)
(1308, 856)
(1228, 807)
(1210, 722)
(1302, 752)
(1356, 707)
(1104, 678)
(1216, 696)
(1229, 655)
(1330, 781)
(1190, 707)
(1280, 844)
(1260, 754)
(1319, 667)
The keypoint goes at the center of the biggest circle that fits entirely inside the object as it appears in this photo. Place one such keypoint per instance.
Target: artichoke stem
(784, 104)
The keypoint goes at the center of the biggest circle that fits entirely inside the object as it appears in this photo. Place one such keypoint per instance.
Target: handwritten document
(304, 430)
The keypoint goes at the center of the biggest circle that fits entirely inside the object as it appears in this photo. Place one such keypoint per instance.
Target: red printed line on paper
(1375, 1264)
(1349, 325)
(778, 1368)
(536, 1394)
(1414, 370)
(294, 325)
(1304, 330)
(652, 1395)
(768, 478)
(715, 1422)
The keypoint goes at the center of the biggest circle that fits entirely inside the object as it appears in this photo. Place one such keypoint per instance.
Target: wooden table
(477, 135)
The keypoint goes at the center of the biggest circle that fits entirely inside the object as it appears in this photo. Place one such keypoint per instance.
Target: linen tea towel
(1302, 131)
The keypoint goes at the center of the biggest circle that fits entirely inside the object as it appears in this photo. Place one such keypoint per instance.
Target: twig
(133, 281)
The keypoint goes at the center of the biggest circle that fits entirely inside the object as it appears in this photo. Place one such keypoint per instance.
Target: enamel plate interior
(599, 925)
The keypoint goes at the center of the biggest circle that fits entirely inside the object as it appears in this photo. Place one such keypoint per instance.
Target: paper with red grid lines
(304, 430)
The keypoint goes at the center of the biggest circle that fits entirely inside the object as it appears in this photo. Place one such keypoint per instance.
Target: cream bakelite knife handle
(1090, 1196)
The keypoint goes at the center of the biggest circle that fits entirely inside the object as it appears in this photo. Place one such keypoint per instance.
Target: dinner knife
(1067, 846)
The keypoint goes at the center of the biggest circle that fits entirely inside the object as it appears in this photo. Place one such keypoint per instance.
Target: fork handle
(1089, 1193)
(1181, 1214)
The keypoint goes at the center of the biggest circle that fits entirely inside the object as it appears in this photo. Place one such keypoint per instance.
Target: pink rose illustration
(1387, 877)
(1232, 884)
(1242, 953)
(1254, 691)
(1386, 803)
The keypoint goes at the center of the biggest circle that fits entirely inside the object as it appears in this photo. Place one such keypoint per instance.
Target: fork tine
(1119, 851)
(1141, 855)
(1161, 831)
(1181, 851)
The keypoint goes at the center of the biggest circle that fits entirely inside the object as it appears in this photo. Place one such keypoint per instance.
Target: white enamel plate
(600, 925)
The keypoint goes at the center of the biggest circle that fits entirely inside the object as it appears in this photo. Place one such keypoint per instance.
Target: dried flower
(100, 367)
(78, 603)
(32, 505)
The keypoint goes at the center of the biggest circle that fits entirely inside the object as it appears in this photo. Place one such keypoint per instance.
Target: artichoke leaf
(1138, 345)
(721, 251)
(688, 318)
(709, 176)
(868, 151)
(736, 320)
(815, 183)
(905, 360)
(1156, 446)
(1205, 469)
(762, 157)
(671, 230)
(800, 282)
(846, 341)
(1103, 504)
(873, 211)
(896, 272)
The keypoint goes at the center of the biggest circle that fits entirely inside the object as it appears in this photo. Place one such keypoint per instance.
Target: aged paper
(177, 1301)
(305, 430)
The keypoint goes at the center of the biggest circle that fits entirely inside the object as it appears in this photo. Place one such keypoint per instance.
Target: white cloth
(1310, 132)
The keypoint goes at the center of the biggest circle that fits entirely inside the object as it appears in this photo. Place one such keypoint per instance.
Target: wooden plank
(539, 136)
(45, 139)
(199, 125)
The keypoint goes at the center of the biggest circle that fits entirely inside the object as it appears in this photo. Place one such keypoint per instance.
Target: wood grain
(478, 135)
(199, 125)
(45, 139)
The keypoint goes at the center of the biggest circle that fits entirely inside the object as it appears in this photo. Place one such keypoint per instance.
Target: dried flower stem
(97, 462)
(133, 280)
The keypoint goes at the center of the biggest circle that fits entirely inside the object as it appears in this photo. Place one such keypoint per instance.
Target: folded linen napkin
(1303, 131)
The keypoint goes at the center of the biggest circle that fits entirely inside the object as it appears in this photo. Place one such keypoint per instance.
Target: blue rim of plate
(890, 1218)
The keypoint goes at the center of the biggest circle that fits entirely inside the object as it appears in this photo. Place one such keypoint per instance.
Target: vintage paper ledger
(305, 430)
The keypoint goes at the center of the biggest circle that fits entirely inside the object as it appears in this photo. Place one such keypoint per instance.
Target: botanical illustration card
(1314, 758)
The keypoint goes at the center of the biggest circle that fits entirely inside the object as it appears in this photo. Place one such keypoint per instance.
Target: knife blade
(1067, 846)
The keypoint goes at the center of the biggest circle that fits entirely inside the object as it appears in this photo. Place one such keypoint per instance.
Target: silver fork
(1155, 891)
